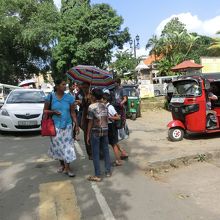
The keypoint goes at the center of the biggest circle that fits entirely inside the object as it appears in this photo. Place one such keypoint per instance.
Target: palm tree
(154, 43)
(191, 41)
(215, 46)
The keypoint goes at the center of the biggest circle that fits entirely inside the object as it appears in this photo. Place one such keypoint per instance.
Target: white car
(22, 110)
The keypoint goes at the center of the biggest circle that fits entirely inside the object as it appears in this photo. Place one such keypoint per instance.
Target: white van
(160, 84)
(5, 89)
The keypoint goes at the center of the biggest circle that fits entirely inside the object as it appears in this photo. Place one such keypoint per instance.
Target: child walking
(97, 134)
(112, 130)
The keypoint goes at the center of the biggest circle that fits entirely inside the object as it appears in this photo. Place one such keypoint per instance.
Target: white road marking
(102, 203)
(100, 198)
(79, 150)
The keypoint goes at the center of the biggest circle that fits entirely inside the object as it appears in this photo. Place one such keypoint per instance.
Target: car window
(6, 91)
(26, 97)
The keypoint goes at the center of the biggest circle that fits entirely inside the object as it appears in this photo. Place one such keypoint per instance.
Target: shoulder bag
(47, 123)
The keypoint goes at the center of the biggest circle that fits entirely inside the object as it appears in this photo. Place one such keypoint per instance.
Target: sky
(145, 17)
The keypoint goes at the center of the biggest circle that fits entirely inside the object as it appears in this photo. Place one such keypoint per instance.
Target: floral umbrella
(94, 76)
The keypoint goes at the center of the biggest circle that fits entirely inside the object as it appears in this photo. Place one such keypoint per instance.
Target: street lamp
(134, 44)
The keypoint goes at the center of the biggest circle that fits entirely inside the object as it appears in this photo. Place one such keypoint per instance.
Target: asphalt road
(31, 189)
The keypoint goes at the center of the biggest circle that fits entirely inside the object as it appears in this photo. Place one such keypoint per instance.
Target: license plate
(27, 123)
(177, 100)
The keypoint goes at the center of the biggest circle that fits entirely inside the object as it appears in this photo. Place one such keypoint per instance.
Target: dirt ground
(197, 183)
(149, 140)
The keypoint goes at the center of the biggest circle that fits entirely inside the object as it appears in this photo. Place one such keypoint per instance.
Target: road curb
(159, 167)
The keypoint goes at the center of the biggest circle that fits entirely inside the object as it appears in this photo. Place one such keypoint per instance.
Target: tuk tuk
(133, 108)
(189, 106)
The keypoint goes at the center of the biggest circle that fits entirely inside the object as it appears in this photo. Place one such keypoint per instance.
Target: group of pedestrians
(98, 112)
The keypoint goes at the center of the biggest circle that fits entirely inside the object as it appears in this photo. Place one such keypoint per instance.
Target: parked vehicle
(22, 110)
(5, 89)
(160, 84)
(189, 106)
(133, 109)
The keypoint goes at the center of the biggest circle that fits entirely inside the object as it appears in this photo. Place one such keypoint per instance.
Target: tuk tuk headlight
(132, 104)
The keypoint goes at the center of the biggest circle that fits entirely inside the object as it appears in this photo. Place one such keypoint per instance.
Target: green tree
(164, 66)
(124, 63)
(87, 35)
(200, 48)
(155, 46)
(172, 27)
(27, 32)
(175, 45)
(214, 48)
(177, 42)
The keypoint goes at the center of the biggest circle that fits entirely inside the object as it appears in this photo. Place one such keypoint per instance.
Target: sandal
(60, 169)
(108, 174)
(117, 163)
(69, 173)
(124, 157)
(94, 178)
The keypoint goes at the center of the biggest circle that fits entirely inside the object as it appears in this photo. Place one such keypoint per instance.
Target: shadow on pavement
(202, 136)
(19, 134)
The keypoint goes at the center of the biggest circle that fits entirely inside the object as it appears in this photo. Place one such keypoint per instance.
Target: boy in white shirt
(112, 130)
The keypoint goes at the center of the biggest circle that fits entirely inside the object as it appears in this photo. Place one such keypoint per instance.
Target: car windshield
(26, 97)
(133, 92)
(187, 88)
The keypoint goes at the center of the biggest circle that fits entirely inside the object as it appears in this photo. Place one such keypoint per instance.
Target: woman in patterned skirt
(63, 114)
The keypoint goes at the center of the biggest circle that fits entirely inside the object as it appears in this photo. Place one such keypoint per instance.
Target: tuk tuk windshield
(131, 92)
(187, 88)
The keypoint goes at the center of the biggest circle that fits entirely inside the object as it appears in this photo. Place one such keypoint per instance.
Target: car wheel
(176, 134)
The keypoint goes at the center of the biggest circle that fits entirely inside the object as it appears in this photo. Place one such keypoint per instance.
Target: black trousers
(88, 146)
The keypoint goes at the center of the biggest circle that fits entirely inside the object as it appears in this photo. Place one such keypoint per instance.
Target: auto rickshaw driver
(211, 116)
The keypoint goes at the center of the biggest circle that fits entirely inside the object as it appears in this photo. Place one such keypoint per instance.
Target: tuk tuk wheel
(133, 116)
(176, 134)
(156, 93)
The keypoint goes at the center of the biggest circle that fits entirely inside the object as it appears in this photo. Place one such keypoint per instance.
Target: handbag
(47, 123)
(123, 133)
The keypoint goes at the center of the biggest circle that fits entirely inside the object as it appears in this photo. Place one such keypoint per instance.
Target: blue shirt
(62, 106)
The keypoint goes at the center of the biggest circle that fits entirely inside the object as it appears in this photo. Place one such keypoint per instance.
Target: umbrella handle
(92, 80)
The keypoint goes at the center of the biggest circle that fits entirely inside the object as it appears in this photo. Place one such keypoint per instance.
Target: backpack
(118, 123)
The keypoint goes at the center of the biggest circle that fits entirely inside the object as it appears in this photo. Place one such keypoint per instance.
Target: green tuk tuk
(133, 108)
